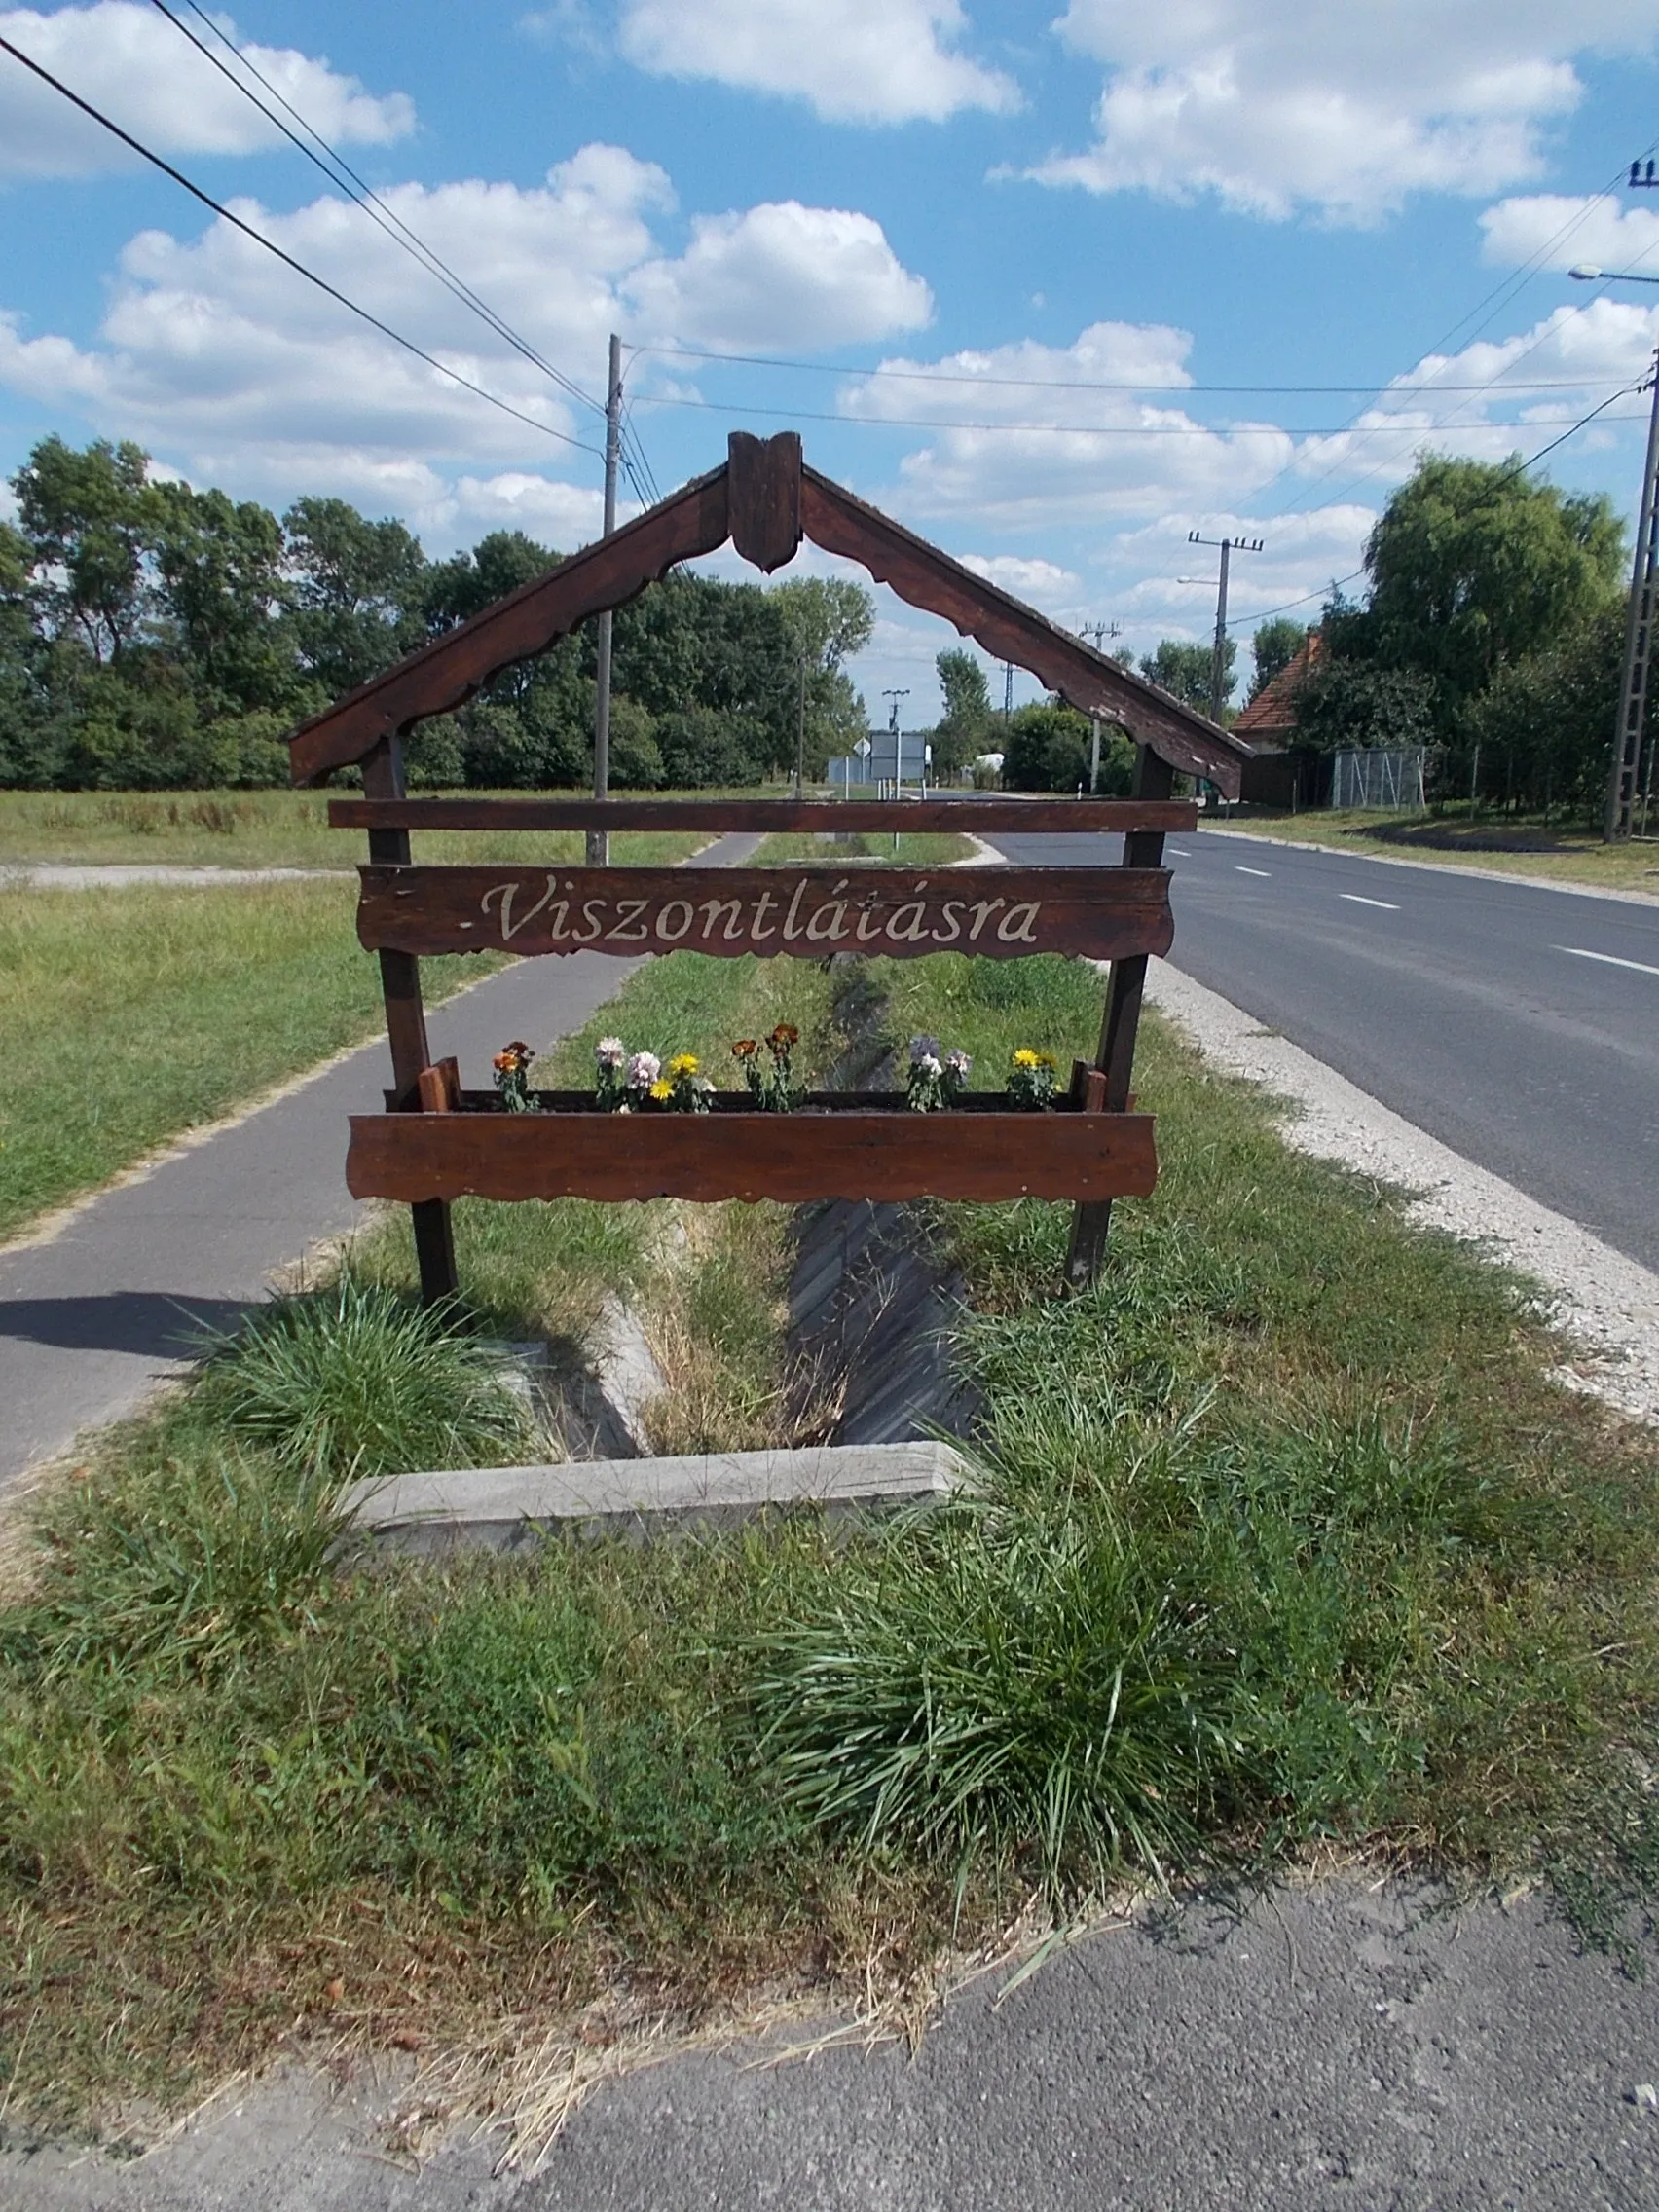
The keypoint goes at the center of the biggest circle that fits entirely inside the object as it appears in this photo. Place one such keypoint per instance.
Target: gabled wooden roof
(765, 500)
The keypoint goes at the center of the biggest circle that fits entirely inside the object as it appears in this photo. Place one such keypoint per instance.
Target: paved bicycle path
(93, 1317)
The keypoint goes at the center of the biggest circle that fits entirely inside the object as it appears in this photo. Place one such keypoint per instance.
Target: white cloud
(854, 61)
(1042, 584)
(128, 60)
(1028, 439)
(229, 365)
(1279, 104)
(1560, 233)
(827, 276)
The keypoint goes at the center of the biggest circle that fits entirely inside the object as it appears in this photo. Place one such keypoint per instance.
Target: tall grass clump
(1002, 1682)
(355, 1380)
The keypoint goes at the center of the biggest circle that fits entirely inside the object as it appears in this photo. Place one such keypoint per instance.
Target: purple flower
(643, 1070)
(611, 1051)
(923, 1050)
(959, 1063)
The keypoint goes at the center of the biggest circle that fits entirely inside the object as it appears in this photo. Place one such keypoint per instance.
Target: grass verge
(1280, 1539)
(130, 1016)
(1528, 848)
(266, 828)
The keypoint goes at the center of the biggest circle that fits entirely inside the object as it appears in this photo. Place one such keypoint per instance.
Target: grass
(132, 1014)
(1280, 1538)
(1552, 854)
(265, 828)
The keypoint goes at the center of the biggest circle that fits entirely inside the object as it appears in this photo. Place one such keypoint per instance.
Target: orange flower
(784, 1036)
(745, 1048)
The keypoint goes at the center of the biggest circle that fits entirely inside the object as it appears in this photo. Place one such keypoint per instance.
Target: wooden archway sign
(436, 1142)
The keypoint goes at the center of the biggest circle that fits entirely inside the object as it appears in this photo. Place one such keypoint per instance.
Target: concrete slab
(499, 1508)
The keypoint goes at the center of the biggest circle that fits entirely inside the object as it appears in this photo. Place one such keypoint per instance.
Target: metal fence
(1384, 782)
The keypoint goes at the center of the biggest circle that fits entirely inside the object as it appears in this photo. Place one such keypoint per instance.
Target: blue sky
(1020, 248)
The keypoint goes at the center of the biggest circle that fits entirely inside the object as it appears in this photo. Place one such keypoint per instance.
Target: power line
(1517, 469)
(1079, 429)
(885, 374)
(299, 268)
(344, 178)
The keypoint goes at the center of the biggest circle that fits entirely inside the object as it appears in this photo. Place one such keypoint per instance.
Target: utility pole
(1100, 632)
(1630, 727)
(1624, 768)
(897, 740)
(1008, 690)
(1218, 659)
(599, 841)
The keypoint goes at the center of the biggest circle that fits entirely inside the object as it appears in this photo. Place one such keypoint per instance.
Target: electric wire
(883, 374)
(1062, 430)
(1516, 468)
(344, 178)
(299, 267)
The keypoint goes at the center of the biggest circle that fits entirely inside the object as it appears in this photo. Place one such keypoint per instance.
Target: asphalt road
(1353, 2046)
(1517, 1024)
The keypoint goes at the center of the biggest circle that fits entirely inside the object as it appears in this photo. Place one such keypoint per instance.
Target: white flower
(611, 1051)
(923, 1050)
(959, 1063)
(928, 1064)
(643, 1070)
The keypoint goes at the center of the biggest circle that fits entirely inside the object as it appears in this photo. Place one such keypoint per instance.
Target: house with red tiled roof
(1271, 713)
(1268, 725)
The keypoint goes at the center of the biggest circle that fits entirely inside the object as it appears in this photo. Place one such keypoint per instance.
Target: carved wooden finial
(764, 496)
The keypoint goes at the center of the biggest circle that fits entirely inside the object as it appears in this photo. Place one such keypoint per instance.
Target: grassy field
(270, 829)
(130, 1016)
(1554, 855)
(1258, 1566)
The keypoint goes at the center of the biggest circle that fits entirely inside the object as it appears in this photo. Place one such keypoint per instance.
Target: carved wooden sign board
(436, 1142)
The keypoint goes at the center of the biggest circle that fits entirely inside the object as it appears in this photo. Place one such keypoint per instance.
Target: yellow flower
(662, 1089)
(1025, 1057)
(1045, 1059)
(682, 1064)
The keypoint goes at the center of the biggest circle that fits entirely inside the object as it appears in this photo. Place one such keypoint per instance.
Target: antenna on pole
(1228, 546)
(1100, 632)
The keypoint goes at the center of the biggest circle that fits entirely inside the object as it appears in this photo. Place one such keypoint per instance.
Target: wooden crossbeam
(1104, 817)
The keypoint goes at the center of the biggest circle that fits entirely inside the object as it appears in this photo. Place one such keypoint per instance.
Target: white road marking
(1252, 871)
(1181, 852)
(1607, 959)
(1354, 899)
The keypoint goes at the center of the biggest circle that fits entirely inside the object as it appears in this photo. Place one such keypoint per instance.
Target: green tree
(1474, 565)
(221, 586)
(1544, 724)
(91, 521)
(1354, 704)
(1275, 645)
(1046, 749)
(1184, 670)
(359, 592)
(965, 728)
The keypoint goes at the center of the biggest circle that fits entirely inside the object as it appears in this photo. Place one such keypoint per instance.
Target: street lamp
(1624, 768)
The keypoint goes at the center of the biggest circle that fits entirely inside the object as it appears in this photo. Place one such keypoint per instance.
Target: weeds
(353, 1382)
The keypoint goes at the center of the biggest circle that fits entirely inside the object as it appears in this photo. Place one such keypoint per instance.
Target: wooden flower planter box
(835, 1145)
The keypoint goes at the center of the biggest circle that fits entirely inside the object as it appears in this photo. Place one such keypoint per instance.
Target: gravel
(1607, 1304)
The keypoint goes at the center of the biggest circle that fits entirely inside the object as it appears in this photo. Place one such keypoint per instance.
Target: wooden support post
(1143, 848)
(406, 1027)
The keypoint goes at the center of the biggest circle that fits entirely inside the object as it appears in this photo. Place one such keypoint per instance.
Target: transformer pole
(599, 841)
(1227, 546)
(1630, 727)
